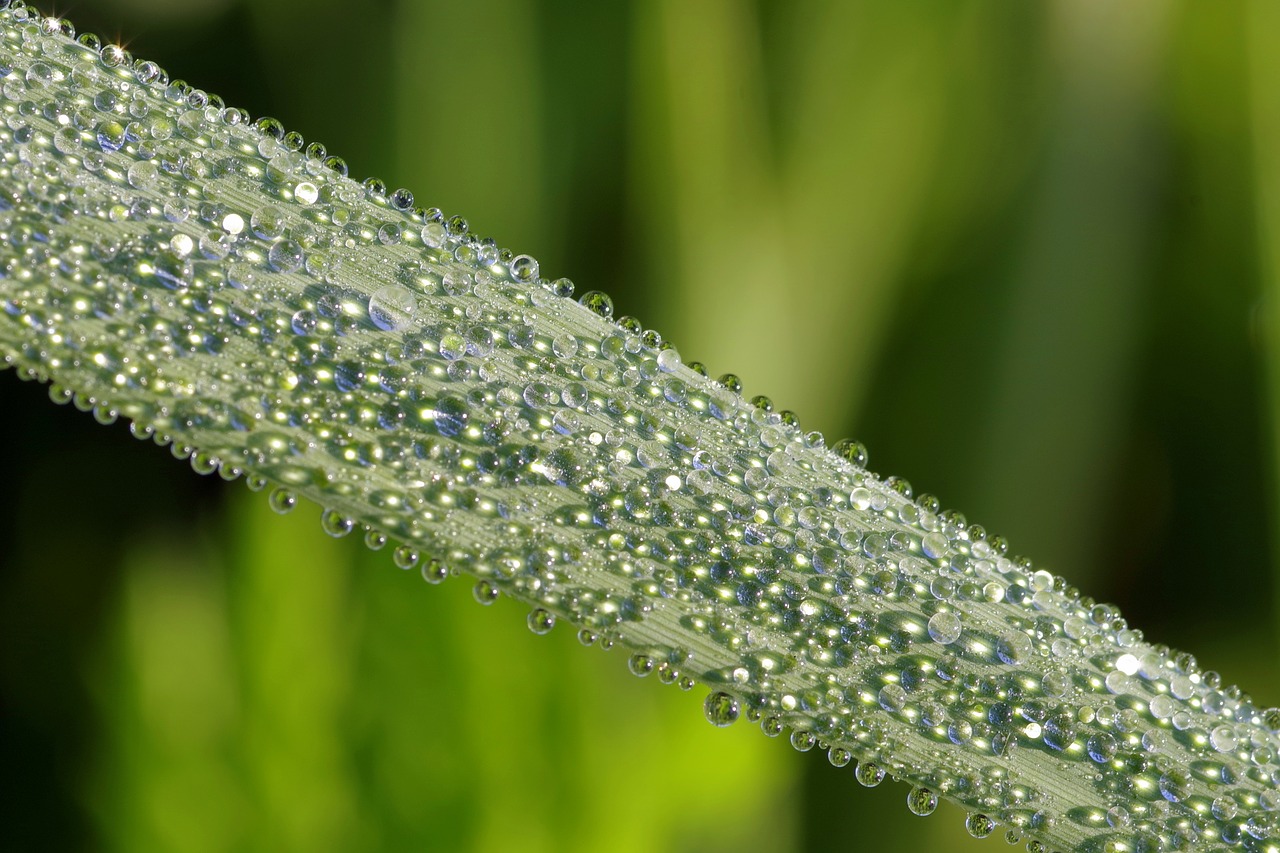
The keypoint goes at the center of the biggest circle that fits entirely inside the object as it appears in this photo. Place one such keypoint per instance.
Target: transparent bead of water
(721, 709)
(285, 256)
(541, 621)
(979, 825)
(922, 801)
(434, 571)
(335, 523)
(306, 193)
(598, 302)
(405, 557)
(524, 268)
(869, 774)
(282, 501)
(944, 628)
(392, 307)
(640, 665)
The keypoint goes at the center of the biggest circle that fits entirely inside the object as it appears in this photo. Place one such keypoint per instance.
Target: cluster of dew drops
(469, 408)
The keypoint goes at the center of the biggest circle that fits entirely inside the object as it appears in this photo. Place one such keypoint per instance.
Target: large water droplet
(721, 709)
(979, 825)
(922, 801)
(451, 415)
(868, 773)
(391, 308)
(944, 628)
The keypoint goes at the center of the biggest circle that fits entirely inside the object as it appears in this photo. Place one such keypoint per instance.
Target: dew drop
(110, 135)
(802, 741)
(391, 308)
(335, 523)
(934, 545)
(1014, 647)
(434, 571)
(922, 801)
(524, 268)
(979, 825)
(405, 557)
(598, 302)
(853, 452)
(868, 773)
(721, 709)
(306, 193)
(285, 256)
(484, 592)
(640, 665)
(944, 628)
(451, 415)
(142, 175)
(282, 500)
(541, 621)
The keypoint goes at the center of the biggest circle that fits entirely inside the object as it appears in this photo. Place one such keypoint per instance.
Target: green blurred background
(1016, 248)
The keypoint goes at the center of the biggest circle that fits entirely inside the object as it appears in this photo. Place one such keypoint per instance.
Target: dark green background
(1013, 247)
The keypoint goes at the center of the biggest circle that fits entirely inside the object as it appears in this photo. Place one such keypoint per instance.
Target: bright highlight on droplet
(233, 223)
(306, 193)
(1128, 664)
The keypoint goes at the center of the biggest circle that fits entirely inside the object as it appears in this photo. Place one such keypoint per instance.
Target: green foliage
(773, 255)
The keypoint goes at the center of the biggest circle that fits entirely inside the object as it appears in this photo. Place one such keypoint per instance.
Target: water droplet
(1014, 647)
(541, 621)
(868, 773)
(306, 193)
(285, 256)
(110, 135)
(944, 628)
(934, 545)
(598, 302)
(922, 801)
(640, 665)
(391, 308)
(335, 523)
(853, 452)
(721, 709)
(979, 825)
(803, 741)
(524, 268)
(668, 360)
(484, 592)
(282, 500)
(451, 415)
(405, 557)
(434, 571)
